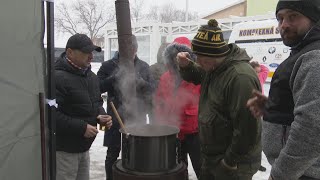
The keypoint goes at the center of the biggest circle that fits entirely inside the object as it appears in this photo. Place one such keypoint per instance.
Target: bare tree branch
(153, 13)
(66, 24)
(168, 13)
(136, 9)
(91, 16)
(85, 16)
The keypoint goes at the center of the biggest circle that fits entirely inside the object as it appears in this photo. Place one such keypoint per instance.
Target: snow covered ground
(98, 153)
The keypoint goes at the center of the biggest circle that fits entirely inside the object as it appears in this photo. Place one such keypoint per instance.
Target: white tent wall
(21, 81)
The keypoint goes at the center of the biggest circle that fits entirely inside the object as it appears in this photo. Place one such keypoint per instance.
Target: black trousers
(111, 158)
(191, 145)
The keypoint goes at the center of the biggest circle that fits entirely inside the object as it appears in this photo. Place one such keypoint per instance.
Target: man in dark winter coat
(110, 76)
(291, 114)
(79, 108)
(230, 136)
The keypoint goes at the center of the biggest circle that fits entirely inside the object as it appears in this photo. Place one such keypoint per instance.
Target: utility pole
(187, 11)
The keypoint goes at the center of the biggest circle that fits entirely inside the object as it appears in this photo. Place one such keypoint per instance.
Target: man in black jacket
(79, 108)
(110, 77)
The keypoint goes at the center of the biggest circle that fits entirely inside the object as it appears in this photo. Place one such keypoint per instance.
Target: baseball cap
(83, 43)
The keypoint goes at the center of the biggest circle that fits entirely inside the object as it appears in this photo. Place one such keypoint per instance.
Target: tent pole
(51, 89)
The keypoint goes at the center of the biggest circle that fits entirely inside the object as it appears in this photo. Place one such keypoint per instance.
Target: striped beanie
(209, 41)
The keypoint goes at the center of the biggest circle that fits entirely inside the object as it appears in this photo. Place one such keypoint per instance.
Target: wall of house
(237, 10)
(259, 7)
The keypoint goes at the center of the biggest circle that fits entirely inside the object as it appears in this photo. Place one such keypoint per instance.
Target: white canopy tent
(22, 82)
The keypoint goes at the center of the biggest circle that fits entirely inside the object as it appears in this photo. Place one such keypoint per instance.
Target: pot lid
(149, 130)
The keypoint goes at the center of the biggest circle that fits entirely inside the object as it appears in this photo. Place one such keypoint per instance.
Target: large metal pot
(149, 148)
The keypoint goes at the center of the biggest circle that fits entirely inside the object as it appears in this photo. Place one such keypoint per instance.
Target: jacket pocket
(191, 111)
(206, 128)
(215, 133)
(190, 120)
(223, 132)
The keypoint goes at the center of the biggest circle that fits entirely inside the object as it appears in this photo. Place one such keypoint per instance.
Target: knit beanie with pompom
(209, 41)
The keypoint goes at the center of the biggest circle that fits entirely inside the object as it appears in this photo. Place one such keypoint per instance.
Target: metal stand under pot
(149, 152)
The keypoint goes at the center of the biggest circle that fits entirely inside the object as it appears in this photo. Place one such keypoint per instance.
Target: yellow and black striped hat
(209, 41)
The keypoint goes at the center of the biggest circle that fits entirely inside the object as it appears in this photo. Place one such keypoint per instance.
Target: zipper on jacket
(284, 135)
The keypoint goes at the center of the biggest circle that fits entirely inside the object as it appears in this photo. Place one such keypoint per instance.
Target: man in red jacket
(176, 103)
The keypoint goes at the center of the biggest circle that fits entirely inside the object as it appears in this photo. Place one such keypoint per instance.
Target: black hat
(83, 43)
(209, 41)
(309, 8)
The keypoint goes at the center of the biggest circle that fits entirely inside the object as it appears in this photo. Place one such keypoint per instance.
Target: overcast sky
(203, 7)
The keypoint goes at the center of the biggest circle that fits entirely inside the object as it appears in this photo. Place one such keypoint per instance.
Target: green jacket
(227, 129)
